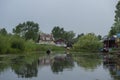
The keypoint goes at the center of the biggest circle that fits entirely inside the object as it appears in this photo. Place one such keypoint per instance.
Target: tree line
(29, 31)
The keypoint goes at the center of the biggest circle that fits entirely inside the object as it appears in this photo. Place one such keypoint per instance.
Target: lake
(35, 66)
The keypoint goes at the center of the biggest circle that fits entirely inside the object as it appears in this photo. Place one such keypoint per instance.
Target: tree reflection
(3, 66)
(114, 69)
(59, 65)
(88, 61)
(24, 69)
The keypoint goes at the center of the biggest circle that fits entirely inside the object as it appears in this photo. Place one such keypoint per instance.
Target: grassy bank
(15, 44)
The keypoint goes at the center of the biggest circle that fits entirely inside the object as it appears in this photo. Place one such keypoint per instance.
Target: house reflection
(45, 61)
(57, 63)
(113, 65)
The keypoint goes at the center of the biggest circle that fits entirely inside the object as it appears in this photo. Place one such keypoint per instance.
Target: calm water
(42, 67)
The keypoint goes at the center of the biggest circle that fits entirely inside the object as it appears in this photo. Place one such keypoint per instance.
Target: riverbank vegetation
(16, 44)
(88, 42)
(25, 39)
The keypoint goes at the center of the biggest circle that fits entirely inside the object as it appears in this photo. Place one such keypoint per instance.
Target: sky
(80, 16)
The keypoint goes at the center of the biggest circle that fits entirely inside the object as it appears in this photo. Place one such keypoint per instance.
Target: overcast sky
(81, 16)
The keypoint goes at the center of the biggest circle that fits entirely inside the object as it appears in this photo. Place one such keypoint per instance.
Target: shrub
(18, 44)
(30, 45)
(88, 42)
(4, 44)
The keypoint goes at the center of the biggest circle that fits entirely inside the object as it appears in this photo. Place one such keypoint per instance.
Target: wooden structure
(46, 39)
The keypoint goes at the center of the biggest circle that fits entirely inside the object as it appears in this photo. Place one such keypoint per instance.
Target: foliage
(28, 30)
(68, 36)
(60, 33)
(18, 44)
(99, 37)
(31, 46)
(88, 42)
(78, 36)
(116, 26)
(11, 44)
(4, 44)
(3, 31)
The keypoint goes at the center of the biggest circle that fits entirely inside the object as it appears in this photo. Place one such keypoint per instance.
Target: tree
(99, 37)
(58, 32)
(3, 31)
(116, 26)
(88, 42)
(28, 30)
(68, 36)
(78, 36)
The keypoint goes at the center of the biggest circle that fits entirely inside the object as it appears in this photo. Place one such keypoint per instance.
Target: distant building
(46, 39)
(109, 42)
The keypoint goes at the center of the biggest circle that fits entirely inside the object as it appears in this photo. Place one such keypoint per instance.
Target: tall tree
(27, 30)
(58, 32)
(68, 36)
(99, 37)
(3, 31)
(116, 26)
(78, 36)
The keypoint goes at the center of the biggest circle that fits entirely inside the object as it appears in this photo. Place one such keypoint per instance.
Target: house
(46, 39)
(109, 43)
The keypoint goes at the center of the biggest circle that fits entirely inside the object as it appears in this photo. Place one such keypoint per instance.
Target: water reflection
(27, 66)
(57, 62)
(45, 61)
(62, 62)
(3, 66)
(111, 62)
(88, 61)
(24, 69)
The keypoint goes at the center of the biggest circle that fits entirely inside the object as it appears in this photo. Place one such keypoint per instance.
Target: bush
(17, 44)
(4, 44)
(30, 45)
(87, 42)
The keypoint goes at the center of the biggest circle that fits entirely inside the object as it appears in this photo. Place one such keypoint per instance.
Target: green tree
(116, 26)
(78, 36)
(28, 30)
(58, 32)
(69, 36)
(99, 37)
(88, 42)
(3, 31)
